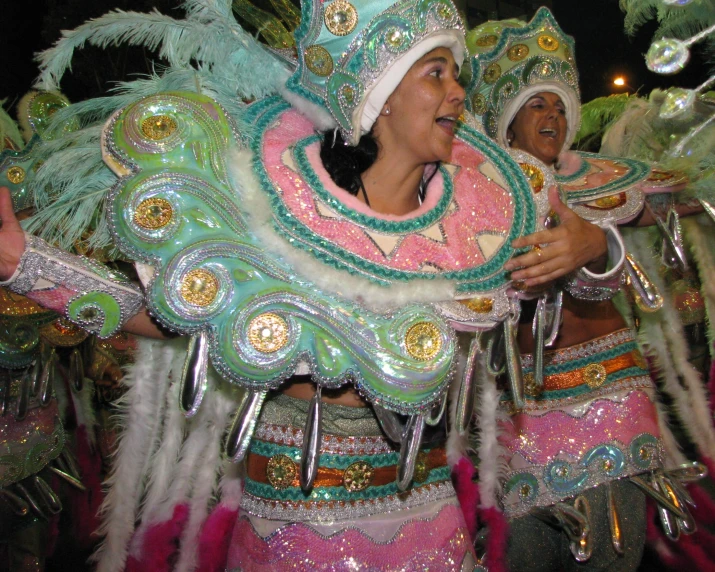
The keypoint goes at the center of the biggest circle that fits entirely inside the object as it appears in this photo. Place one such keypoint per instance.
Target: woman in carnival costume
(298, 263)
(576, 454)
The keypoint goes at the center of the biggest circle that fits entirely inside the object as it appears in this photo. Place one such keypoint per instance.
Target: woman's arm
(96, 299)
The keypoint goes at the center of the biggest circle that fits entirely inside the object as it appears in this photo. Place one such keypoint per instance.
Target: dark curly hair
(346, 163)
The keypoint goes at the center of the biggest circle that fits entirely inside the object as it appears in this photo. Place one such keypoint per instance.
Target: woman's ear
(386, 109)
(509, 135)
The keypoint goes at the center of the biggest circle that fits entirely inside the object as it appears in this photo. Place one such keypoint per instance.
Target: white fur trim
(327, 278)
(492, 464)
(567, 95)
(317, 115)
(365, 115)
(139, 408)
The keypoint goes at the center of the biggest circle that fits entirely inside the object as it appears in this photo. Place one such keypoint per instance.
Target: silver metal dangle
(244, 424)
(408, 451)
(312, 435)
(194, 378)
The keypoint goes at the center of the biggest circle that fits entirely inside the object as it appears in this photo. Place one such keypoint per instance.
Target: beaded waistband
(356, 478)
(597, 367)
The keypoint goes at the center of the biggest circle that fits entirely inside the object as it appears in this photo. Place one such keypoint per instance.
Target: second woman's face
(424, 109)
(539, 127)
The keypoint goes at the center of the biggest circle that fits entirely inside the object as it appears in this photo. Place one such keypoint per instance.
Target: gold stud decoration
(594, 374)
(639, 360)
(548, 43)
(358, 476)
(153, 213)
(492, 73)
(486, 41)
(423, 340)
(340, 18)
(479, 104)
(319, 60)
(281, 471)
(268, 332)
(535, 176)
(611, 201)
(16, 175)
(422, 468)
(479, 305)
(530, 387)
(199, 287)
(158, 127)
(518, 52)
(525, 491)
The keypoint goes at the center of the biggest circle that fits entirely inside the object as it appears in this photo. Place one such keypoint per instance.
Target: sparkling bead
(281, 471)
(677, 2)
(423, 340)
(153, 213)
(678, 103)
(667, 56)
(525, 491)
(341, 17)
(358, 476)
(16, 175)
(395, 38)
(158, 127)
(268, 332)
(199, 287)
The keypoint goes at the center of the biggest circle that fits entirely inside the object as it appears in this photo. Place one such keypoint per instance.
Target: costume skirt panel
(354, 518)
(594, 421)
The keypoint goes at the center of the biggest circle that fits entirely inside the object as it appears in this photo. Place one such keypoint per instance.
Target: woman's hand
(12, 237)
(573, 244)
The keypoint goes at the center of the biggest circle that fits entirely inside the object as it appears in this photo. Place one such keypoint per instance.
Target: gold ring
(537, 249)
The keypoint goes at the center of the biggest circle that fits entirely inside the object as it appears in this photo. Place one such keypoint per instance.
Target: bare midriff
(302, 388)
(582, 321)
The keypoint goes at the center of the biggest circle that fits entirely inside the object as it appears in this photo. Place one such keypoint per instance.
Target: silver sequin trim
(327, 511)
(293, 437)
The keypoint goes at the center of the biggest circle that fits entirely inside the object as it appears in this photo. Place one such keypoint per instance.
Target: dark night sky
(603, 50)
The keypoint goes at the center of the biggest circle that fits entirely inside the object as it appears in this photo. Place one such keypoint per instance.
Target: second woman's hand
(559, 251)
(12, 237)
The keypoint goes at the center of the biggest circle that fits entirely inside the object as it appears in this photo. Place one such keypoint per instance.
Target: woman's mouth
(548, 132)
(447, 123)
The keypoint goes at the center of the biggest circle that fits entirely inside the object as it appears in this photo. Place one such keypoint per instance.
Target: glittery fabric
(595, 421)
(437, 540)
(473, 225)
(26, 446)
(272, 489)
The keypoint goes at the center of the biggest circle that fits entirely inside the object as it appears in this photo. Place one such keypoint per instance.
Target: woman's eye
(436, 73)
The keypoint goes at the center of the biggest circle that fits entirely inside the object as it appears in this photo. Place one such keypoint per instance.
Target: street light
(620, 81)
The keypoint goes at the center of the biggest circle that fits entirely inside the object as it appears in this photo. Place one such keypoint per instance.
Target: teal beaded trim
(637, 172)
(487, 277)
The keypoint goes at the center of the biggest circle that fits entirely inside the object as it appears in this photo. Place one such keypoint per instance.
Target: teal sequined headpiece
(352, 55)
(511, 61)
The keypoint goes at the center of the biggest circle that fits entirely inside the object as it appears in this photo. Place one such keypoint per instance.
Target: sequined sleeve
(87, 293)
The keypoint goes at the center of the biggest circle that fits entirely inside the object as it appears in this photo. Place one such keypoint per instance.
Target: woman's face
(423, 110)
(539, 127)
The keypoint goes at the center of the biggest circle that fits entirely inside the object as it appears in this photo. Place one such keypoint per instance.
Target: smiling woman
(539, 127)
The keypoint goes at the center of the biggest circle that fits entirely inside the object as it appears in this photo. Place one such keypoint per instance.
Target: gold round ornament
(16, 175)
(595, 375)
(268, 332)
(158, 127)
(479, 305)
(281, 471)
(492, 73)
(518, 52)
(340, 18)
(479, 104)
(535, 176)
(358, 476)
(319, 60)
(153, 213)
(199, 287)
(530, 387)
(548, 43)
(423, 340)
